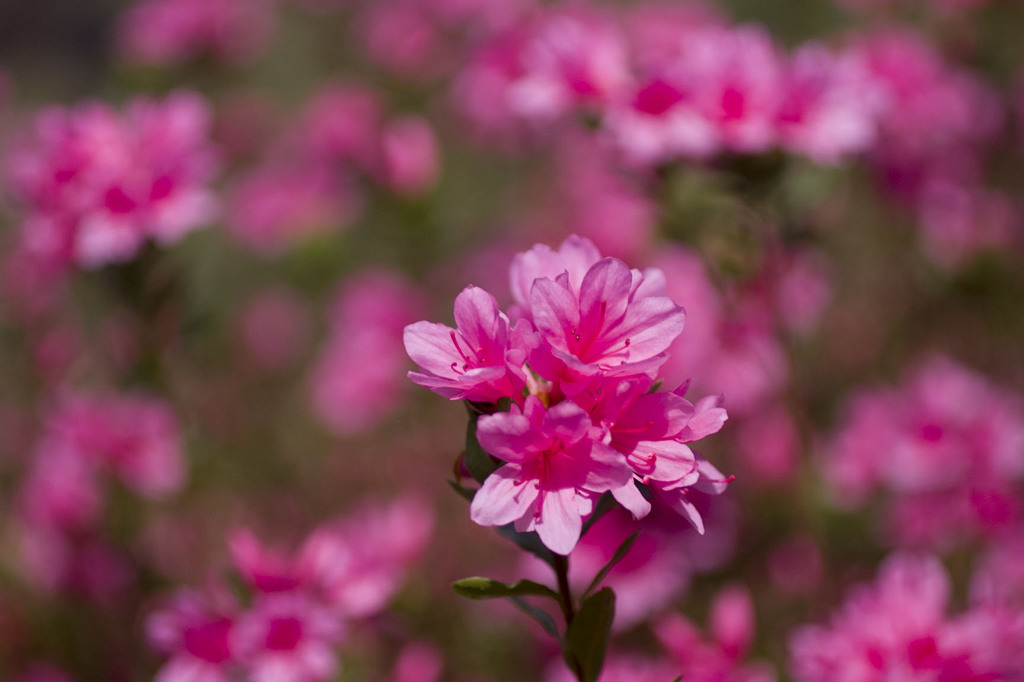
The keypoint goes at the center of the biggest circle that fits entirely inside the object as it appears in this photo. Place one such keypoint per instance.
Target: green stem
(561, 565)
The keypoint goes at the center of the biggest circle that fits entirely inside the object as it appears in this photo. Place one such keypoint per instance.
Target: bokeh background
(837, 205)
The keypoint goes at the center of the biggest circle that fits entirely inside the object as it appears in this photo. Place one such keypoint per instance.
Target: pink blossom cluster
(310, 180)
(88, 439)
(670, 83)
(720, 657)
(577, 358)
(173, 32)
(96, 185)
(898, 628)
(302, 604)
(350, 394)
(947, 446)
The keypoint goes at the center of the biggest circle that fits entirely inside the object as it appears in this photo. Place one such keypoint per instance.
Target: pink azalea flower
(607, 326)
(96, 184)
(825, 113)
(287, 636)
(958, 220)
(897, 629)
(196, 633)
(482, 359)
(170, 32)
(555, 469)
(944, 445)
(418, 662)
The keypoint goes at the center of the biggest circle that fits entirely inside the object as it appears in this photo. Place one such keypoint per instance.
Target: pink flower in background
(555, 470)
(925, 104)
(537, 72)
(275, 206)
(827, 112)
(350, 394)
(342, 122)
(941, 445)
(287, 636)
(410, 162)
(897, 628)
(95, 184)
(418, 663)
(195, 631)
(171, 32)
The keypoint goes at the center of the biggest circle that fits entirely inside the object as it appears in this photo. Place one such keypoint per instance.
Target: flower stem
(561, 566)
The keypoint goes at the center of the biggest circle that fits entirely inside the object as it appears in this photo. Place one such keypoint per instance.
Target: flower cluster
(96, 184)
(577, 358)
(948, 445)
(897, 628)
(131, 438)
(301, 606)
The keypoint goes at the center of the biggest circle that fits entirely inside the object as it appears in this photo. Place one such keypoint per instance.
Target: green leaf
(587, 637)
(479, 463)
(620, 553)
(529, 542)
(485, 588)
(545, 619)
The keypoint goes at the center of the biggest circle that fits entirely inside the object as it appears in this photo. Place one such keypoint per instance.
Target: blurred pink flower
(941, 446)
(350, 394)
(171, 32)
(196, 632)
(95, 185)
(287, 636)
(826, 112)
(418, 662)
(410, 162)
(898, 628)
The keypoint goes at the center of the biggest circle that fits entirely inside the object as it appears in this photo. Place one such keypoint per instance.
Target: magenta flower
(482, 359)
(555, 469)
(605, 328)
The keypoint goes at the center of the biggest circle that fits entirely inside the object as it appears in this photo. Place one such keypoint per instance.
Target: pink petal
(503, 498)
